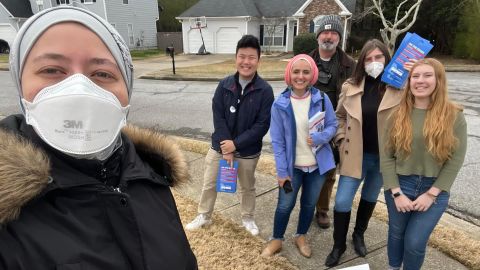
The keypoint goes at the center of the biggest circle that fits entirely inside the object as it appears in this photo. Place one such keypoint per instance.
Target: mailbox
(170, 50)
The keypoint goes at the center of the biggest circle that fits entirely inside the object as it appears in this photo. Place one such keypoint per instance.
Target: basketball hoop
(199, 23)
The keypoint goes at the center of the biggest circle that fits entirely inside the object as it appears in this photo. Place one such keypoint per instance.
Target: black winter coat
(56, 212)
(245, 119)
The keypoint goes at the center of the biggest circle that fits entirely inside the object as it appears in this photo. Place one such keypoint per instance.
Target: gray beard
(328, 46)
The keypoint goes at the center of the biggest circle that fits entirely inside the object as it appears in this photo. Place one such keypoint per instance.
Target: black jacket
(244, 122)
(346, 65)
(56, 212)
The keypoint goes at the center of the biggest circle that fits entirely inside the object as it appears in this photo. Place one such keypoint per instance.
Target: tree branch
(398, 9)
(377, 4)
(413, 19)
(415, 7)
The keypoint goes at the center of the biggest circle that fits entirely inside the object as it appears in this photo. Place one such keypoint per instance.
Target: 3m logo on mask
(73, 124)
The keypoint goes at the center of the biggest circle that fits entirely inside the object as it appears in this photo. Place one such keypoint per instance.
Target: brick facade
(317, 7)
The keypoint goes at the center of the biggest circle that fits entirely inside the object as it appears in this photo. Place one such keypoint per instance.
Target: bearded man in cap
(334, 67)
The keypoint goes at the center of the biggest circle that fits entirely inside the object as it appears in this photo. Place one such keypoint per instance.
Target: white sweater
(304, 155)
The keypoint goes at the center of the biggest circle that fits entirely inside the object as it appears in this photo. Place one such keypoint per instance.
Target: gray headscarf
(33, 28)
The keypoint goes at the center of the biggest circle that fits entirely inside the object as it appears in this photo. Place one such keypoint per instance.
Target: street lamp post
(345, 15)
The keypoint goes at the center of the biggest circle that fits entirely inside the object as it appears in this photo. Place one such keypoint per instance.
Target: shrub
(304, 43)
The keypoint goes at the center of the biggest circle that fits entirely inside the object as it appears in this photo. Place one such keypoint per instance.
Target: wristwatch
(397, 194)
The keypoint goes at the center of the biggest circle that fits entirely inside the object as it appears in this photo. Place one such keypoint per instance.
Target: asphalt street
(183, 108)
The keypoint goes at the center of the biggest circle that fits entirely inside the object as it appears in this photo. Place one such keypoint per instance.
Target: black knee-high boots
(340, 229)
(364, 213)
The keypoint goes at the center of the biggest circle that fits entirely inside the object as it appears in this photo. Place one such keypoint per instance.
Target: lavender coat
(284, 135)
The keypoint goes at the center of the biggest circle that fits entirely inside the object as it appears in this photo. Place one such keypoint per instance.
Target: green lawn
(143, 54)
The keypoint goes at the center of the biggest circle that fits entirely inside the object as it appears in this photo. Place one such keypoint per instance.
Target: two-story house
(135, 20)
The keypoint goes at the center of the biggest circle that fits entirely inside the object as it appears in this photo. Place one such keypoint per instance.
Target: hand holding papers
(412, 47)
(316, 124)
(227, 177)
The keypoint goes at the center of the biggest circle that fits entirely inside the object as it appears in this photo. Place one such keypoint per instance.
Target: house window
(273, 35)
(63, 2)
(88, 1)
(131, 39)
(40, 7)
(125, 2)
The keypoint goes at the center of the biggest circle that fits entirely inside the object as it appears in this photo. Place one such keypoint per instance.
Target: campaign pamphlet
(413, 46)
(227, 177)
(316, 124)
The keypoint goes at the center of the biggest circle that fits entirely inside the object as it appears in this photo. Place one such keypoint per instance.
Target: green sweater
(420, 161)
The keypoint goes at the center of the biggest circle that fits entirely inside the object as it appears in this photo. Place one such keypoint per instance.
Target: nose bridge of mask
(77, 84)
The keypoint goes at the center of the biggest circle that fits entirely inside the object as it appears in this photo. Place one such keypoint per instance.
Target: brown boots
(322, 219)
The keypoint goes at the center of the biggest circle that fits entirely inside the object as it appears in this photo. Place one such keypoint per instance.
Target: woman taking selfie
(79, 189)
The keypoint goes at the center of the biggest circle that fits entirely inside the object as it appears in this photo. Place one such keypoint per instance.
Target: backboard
(198, 22)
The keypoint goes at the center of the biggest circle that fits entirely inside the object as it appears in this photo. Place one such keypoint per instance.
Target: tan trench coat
(349, 132)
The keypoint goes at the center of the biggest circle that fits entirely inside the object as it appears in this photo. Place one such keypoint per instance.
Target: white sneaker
(200, 221)
(250, 226)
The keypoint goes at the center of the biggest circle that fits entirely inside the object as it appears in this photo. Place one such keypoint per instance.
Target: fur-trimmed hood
(25, 169)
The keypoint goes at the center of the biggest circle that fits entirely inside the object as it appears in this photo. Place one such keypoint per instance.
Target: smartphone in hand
(287, 186)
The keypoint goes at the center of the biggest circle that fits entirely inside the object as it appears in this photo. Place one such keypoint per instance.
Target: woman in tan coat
(364, 98)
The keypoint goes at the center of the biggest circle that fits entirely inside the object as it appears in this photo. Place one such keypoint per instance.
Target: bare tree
(272, 26)
(391, 30)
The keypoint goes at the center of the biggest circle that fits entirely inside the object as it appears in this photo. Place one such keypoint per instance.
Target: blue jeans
(311, 184)
(408, 232)
(348, 186)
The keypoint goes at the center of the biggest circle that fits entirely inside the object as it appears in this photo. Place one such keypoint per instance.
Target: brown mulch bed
(224, 244)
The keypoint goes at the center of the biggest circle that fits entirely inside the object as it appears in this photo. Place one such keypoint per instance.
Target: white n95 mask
(76, 116)
(374, 69)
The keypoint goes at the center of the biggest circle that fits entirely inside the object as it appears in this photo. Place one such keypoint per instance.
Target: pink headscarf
(313, 66)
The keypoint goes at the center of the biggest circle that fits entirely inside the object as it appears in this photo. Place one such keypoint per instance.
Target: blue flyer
(413, 46)
(227, 177)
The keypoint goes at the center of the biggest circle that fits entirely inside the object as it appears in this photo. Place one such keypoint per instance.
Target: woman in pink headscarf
(302, 154)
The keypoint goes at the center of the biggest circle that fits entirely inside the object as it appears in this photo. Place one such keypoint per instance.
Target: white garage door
(227, 38)
(195, 41)
(7, 33)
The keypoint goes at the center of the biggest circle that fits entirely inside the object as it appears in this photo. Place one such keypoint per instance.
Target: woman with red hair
(297, 165)
(424, 149)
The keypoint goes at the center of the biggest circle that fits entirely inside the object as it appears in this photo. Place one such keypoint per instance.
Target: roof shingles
(18, 8)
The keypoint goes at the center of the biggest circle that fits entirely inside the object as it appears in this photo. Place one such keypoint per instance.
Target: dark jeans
(311, 184)
(408, 232)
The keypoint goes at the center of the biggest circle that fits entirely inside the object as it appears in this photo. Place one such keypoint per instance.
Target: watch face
(396, 194)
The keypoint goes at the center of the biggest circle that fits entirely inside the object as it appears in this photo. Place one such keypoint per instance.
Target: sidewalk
(320, 239)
